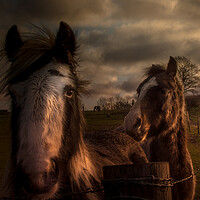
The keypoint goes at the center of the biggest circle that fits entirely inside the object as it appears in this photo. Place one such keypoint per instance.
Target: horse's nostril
(138, 123)
(40, 182)
(54, 166)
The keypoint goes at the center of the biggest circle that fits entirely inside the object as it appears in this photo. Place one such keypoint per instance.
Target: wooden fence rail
(137, 181)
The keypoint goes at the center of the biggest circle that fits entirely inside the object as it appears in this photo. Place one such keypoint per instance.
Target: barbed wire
(146, 181)
(151, 180)
(187, 178)
(125, 197)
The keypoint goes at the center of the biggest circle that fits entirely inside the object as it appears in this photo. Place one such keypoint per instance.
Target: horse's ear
(172, 66)
(65, 43)
(13, 42)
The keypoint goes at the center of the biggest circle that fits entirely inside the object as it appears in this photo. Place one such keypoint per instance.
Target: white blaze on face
(41, 120)
(151, 83)
(135, 112)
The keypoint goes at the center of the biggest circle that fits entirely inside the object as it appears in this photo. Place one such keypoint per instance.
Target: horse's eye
(69, 93)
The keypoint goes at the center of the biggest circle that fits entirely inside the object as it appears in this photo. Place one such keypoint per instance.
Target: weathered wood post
(188, 120)
(137, 181)
(197, 122)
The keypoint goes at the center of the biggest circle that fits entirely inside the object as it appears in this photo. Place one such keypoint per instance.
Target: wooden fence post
(197, 122)
(137, 181)
(188, 120)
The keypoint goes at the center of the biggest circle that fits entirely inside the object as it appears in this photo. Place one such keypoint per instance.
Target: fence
(193, 124)
(138, 181)
(148, 181)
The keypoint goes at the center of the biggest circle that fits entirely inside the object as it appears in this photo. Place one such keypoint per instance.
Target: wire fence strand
(145, 181)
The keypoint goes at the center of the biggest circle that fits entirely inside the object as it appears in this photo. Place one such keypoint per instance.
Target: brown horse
(50, 159)
(158, 120)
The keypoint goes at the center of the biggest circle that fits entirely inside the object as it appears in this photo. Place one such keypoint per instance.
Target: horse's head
(42, 83)
(160, 98)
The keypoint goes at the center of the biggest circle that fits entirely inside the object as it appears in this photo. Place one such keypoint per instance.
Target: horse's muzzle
(42, 182)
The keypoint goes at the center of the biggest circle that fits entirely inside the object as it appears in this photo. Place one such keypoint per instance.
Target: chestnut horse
(50, 159)
(157, 120)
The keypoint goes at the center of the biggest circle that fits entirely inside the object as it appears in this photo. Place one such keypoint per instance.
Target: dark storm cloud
(49, 11)
(127, 45)
(132, 54)
(96, 38)
(139, 9)
(118, 38)
(105, 89)
(193, 50)
(130, 85)
(188, 10)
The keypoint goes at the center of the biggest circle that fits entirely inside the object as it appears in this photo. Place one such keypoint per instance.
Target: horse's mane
(38, 49)
(149, 72)
(154, 69)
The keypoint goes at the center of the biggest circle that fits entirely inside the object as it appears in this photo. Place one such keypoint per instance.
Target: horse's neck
(146, 146)
(170, 145)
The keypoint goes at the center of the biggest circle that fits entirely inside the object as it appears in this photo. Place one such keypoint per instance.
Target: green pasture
(103, 120)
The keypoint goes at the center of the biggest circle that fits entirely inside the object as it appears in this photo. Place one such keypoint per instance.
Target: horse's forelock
(149, 73)
(38, 49)
(154, 69)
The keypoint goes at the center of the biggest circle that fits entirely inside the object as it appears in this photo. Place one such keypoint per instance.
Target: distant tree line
(116, 102)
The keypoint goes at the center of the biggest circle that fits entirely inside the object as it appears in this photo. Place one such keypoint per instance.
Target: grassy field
(110, 120)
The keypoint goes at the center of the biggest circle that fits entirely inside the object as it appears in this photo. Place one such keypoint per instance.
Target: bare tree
(189, 73)
(116, 102)
(111, 102)
(103, 102)
(128, 99)
(119, 102)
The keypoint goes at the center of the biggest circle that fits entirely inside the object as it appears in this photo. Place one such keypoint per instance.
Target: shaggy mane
(149, 72)
(154, 69)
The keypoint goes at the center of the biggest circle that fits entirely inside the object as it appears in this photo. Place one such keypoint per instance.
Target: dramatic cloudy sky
(118, 38)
